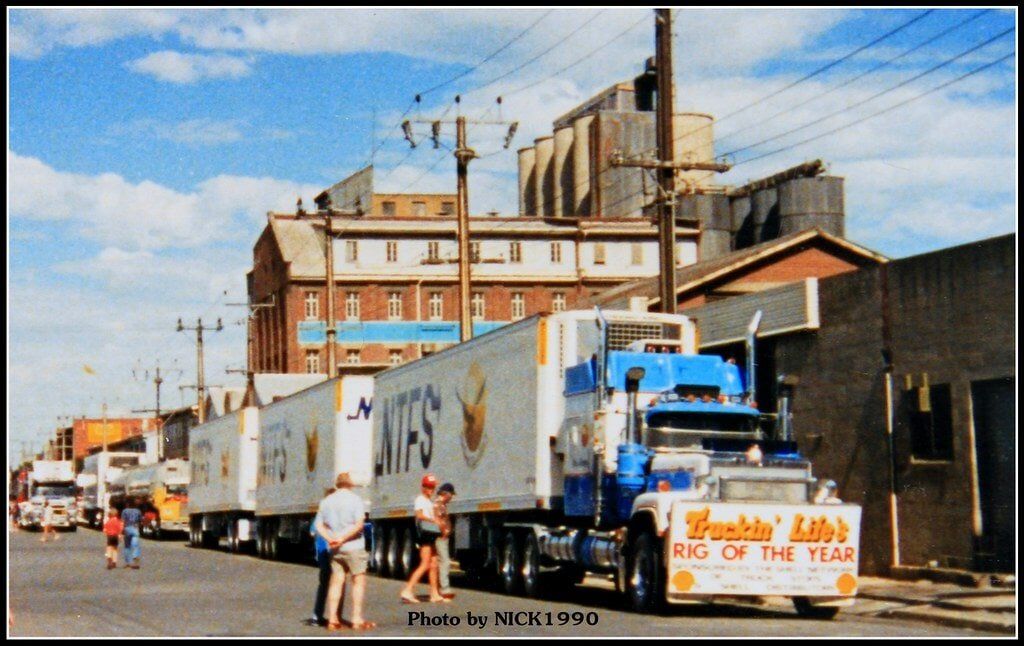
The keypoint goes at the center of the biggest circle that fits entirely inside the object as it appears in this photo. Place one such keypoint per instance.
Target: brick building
(396, 276)
(943, 326)
(88, 434)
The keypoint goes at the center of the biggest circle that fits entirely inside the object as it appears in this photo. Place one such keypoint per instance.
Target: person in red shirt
(112, 530)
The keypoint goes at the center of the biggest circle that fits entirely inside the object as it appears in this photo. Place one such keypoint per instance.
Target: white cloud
(176, 67)
(109, 209)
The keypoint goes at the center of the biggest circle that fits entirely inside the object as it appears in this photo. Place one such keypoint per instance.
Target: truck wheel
(409, 557)
(273, 545)
(530, 569)
(394, 549)
(261, 543)
(509, 566)
(808, 610)
(380, 550)
(645, 587)
(233, 536)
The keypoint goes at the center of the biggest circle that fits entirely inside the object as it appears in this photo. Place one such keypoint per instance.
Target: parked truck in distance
(222, 483)
(50, 483)
(305, 440)
(99, 471)
(601, 442)
(161, 492)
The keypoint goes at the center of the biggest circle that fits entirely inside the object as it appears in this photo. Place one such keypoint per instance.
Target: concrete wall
(951, 316)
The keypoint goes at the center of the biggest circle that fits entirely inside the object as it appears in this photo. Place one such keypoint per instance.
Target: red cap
(429, 481)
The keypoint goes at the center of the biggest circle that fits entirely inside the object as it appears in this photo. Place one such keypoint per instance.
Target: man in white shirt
(340, 521)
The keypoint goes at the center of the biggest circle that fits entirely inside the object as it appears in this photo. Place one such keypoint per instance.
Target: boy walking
(444, 560)
(132, 519)
(112, 530)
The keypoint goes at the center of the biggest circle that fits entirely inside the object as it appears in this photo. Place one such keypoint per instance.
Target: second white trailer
(305, 440)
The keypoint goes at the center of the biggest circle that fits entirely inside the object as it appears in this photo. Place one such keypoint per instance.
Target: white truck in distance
(51, 482)
(559, 470)
(222, 485)
(305, 440)
(99, 470)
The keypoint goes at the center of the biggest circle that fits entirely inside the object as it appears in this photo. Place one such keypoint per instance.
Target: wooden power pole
(332, 332)
(200, 376)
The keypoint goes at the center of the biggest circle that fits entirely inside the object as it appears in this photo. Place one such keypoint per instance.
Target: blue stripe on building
(315, 332)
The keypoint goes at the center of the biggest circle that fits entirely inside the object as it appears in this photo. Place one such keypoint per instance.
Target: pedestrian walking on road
(444, 560)
(132, 519)
(427, 532)
(47, 522)
(342, 516)
(323, 562)
(112, 530)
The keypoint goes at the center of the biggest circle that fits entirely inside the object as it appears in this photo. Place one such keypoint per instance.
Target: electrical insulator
(435, 133)
(511, 133)
(407, 129)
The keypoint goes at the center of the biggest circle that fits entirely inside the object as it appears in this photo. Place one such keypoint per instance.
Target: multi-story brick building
(396, 276)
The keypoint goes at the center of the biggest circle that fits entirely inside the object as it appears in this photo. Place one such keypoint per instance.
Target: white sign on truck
(222, 485)
(762, 549)
(305, 440)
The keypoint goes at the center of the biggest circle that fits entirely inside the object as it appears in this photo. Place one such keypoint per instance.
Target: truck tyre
(394, 549)
(232, 536)
(808, 610)
(645, 582)
(380, 550)
(530, 562)
(510, 566)
(273, 544)
(409, 553)
(261, 540)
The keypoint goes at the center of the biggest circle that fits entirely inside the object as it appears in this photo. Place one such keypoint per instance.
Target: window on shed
(931, 423)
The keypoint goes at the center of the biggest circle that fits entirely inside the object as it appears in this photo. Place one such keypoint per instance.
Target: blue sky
(146, 146)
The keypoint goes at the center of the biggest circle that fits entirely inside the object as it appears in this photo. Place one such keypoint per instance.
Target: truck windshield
(55, 492)
(177, 490)
(677, 429)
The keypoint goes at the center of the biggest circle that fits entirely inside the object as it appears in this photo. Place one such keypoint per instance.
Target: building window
(312, 306)
(556, 252)
(392, 251)
(636, 253)
(474, 252)
(352, 357)
(447, 208)
(435, 306)
(931, 423)
(434, 250)
(351, 250)
(388, 209)
(598, 253)
(352, 306)
(558, 302)
(419, 209)
(312, 361)
(395, 306)
(395, 357)
(515, 252)
(518, 306)
(477, 306)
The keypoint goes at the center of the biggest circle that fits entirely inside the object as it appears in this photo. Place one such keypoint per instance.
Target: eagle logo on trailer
(312, 442)
(473, 399)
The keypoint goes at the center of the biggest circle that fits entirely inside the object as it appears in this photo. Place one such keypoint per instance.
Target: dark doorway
(995, 439)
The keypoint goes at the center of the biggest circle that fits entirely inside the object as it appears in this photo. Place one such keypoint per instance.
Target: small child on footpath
(112, 530)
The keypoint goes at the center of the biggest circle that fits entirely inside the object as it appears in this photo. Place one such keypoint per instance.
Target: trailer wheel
(233, 536)
(408, 553)
(530, 561)
(808, 610)
(394, 548)
(209, 539)
(380, 551)
(645, 585)
(261, 541)
(510, 566)
(272, 543)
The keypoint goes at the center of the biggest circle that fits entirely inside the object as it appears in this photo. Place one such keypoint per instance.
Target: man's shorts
(350, 562)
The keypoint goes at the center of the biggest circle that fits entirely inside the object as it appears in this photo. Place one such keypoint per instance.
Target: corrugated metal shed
(787, 309)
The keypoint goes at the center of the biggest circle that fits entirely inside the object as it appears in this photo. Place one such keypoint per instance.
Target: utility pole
(463, 155)
(157, 381)
(104, 427)
(332, 332)
(666, 166)
(250, 352)
(200, 377)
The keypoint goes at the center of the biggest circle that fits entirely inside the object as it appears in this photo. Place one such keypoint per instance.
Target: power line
(487, 58)
(856, 78)
(874, 96)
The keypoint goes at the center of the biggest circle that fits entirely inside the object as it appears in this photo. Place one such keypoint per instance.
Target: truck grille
(622, 333)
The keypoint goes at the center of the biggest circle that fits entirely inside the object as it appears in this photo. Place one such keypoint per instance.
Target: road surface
(63, 589)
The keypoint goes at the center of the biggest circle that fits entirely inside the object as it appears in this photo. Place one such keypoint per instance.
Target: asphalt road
(63, 589)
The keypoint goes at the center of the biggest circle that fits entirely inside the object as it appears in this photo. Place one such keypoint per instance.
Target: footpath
(986, 607)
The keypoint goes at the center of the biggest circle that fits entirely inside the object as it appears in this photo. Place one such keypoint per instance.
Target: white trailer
(305, 440)
(591, 441)
(98, 471)
(222, 484)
